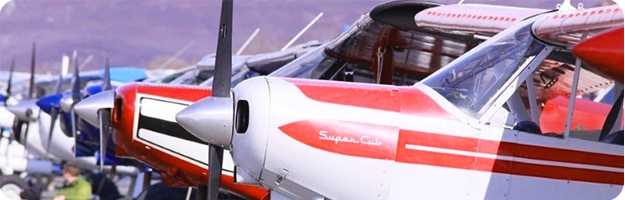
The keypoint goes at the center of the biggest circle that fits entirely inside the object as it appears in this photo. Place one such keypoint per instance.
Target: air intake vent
(117, 112)
(242, 116)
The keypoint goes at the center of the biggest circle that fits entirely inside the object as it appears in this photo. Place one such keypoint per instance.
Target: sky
(170, 34)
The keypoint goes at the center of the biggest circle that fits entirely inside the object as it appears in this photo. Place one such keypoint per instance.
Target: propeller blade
(76, 96)
(59, 84)
(64, 67)
(26, 135)
(223, 57)
(10, 81)
(54, 113)
(74, 123)
(17, 129)
(104, 118)
(31, 86)
(215, 160)
(106, 84)
(221, 88)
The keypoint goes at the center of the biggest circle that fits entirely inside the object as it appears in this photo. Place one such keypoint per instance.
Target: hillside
(150, 32)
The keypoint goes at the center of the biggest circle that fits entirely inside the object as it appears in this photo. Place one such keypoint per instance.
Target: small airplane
(246, 66)
(200, 74)
(25, 111)
(314, 139)
(57, 146)
(58, 108)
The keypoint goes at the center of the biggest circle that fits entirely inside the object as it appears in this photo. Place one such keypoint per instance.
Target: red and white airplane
(439, 138)
(144, 114)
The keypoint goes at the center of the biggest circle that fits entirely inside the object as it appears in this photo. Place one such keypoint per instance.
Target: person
(76, 187)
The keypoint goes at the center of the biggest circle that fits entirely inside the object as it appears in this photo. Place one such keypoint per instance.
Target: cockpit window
(373, 52)
(472, 80)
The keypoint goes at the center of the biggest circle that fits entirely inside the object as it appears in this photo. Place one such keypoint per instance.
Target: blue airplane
(86, 136)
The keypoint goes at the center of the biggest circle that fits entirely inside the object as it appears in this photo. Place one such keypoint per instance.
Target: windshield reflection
(472, 80)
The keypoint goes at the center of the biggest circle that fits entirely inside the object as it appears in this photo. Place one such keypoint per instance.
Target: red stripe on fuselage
(348, 138)
(508, 149)
(308, 132)
(354, 94)
(405, 99)
(507, 167)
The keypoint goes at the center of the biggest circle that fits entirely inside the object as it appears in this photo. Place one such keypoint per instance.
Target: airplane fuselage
(407, 145)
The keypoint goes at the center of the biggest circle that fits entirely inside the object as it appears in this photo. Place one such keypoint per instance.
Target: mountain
(151, 33)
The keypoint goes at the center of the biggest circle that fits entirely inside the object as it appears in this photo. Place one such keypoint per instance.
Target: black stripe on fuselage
(166, 128)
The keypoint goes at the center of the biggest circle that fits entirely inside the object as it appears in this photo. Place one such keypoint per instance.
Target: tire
(160, 191)
(12, 186)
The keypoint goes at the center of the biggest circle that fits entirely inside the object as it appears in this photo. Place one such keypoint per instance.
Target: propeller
(55, 110)
(54, 113)
(23, 110)
(221, 90)
(221, 101)
(31, 89)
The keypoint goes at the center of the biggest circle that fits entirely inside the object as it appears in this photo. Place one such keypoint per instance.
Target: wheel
(12, 186)
(160, 191)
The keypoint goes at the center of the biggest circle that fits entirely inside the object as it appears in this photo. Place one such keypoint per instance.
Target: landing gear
(11, 186)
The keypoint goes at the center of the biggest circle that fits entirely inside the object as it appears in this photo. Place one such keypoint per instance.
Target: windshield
(472, 80)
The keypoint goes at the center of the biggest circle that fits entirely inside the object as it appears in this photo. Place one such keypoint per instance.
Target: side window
(171, 77)
(541, 104)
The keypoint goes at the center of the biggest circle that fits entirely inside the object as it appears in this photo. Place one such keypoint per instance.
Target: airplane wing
(604, 52)
(569, 28)
(480, 19)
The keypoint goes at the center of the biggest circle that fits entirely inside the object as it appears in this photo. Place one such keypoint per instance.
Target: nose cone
(87, 109)
(210, 119)
(48, 102)
(25, 110)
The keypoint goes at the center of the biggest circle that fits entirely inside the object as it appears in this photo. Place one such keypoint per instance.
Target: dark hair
(71, 168)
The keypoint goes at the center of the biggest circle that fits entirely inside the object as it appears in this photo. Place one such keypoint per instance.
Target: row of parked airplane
(415, 100)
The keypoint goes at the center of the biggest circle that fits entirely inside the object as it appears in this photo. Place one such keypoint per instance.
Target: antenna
(247, 42)
(86, 61)
(176, 55)
(302, 31)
